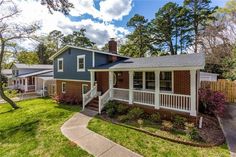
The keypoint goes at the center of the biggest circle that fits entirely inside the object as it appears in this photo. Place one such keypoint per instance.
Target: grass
(34, 130)
(150, 146)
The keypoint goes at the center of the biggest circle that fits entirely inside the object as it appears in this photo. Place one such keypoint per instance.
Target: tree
(200, 13)
(167, 28)
(58, 5)
(78, 38)
(11, 32)
(138, 42)
(27, 57)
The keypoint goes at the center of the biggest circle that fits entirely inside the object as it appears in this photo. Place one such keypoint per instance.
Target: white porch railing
(175, 102)
(144, 97)
(87, 97)
(169, 101)
(103, 100)
(31, 87)
(120, 94)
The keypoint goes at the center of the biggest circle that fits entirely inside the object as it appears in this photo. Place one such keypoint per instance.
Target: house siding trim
(72, 80)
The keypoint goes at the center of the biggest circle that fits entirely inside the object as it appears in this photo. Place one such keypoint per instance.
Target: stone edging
(162, 137)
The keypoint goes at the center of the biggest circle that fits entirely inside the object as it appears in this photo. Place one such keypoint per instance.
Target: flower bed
(178, 130)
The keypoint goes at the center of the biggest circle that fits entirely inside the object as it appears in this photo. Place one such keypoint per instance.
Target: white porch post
(131, 76)
(144, 80)
(193, 111)
(92, 78)
(26, 84)
(111, 83)
(35, 83)
(157, 89)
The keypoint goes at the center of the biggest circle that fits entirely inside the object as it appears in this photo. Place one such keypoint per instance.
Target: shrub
(140, 122)
(122, 109)
(111, 112)
(11, 93)
(179, 121)
(60, 98)
(135, 113)
(111, 108)
(155, 117)
(167, 125)
(73, 100)
(194, 135)
(211, 102)
(123, 118)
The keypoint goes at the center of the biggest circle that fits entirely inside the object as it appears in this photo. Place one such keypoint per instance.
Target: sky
(102, 19)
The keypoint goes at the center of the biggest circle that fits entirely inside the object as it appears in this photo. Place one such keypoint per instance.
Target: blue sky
(102, 19)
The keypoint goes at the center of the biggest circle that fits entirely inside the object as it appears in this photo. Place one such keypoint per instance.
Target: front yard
(147, 145)
(34, 130)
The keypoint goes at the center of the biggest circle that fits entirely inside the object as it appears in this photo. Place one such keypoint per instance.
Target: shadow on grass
(29, 127)
(73, 108)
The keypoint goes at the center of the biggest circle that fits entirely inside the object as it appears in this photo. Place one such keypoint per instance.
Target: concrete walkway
(75, 129)
(228, 123)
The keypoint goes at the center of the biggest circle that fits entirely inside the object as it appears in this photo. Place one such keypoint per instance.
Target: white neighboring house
(205, 76)
(8, 74)
(27, 78)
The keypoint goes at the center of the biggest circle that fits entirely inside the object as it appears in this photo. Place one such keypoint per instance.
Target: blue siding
(70, 65)
(100, 59)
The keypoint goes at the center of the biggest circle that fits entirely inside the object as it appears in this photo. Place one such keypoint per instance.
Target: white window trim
(83, 85)
(63, 91)
(58, 60)
(79, 57)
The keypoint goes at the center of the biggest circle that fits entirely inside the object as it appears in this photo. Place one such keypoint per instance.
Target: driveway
(228, 123)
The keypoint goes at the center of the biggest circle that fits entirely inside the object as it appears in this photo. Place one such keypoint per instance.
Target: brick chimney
(112, 44)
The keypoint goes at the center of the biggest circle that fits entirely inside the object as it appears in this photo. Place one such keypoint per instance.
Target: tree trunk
(2, 94)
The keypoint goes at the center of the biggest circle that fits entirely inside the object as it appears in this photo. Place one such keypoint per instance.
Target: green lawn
(34, 130)
(150, 146)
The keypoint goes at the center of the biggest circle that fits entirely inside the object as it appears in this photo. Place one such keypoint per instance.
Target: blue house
(160, 83)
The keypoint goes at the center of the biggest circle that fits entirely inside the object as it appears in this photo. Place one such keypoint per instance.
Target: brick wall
(122, 80)
(102, 81)
(182, 82)
(73, 88)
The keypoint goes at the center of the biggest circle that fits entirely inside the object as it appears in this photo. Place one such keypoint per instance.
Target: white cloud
(98, 31)
(109, 9)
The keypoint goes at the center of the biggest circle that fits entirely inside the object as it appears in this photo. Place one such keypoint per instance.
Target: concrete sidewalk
(228, 123)
(75, 129)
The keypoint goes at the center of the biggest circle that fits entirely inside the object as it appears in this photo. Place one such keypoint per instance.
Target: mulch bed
(211, 132)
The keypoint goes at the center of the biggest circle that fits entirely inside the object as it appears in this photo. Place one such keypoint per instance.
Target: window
(60, 65)
(166, 81)
(150, 80)
(63, 87)
(85, 88)
(81, 63)
(138, 80)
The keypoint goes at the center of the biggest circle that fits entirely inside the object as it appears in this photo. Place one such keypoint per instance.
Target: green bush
(11, 93)
(179, 121)
(140, 122)
(111, 108)
(135, 113)
(194, 135)
(111, 112)
(167, 125)
(155, 117)
(122, 109)
(123, 118)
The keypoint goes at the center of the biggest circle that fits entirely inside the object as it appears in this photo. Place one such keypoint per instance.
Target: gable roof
(196, 60)
(82, 48)
(34, 73)
(33, 66)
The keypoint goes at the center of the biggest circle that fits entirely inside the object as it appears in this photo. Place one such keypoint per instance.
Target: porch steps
(93, 104)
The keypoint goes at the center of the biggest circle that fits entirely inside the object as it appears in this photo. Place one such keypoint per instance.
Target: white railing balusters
(87, 97)
(103, 100)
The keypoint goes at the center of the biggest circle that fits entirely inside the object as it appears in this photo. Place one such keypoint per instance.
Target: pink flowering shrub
(211, 102)
(73, 100)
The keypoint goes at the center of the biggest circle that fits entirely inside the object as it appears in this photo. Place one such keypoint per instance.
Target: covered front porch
(174, 90)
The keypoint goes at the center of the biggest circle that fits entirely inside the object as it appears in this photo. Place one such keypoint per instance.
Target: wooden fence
(225, 86)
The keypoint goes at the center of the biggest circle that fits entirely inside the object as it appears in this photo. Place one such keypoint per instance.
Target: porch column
(144, 80)
(131, 76)
(111, 82)
(92, 78)
(157, 89)
(26, 84)
(193, 111)
(43, 94)
(35, 83)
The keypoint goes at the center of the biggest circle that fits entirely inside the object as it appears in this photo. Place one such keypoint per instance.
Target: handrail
(103, 100)
(87, 97)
